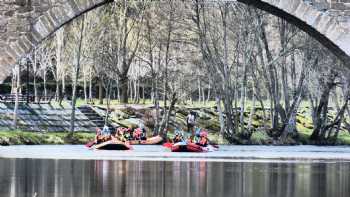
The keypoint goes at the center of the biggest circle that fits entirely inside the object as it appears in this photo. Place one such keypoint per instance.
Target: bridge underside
(25, 23)
(327, 29)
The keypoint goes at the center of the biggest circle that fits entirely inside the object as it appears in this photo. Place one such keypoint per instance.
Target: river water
(202, 177)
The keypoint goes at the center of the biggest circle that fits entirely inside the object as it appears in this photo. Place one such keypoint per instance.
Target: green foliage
(260, 138)
(344, 138)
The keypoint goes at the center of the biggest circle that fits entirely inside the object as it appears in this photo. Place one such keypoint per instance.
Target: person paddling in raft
(203, 139)
(178, 137)
(120, 134)
(98, 137)
(137, 134)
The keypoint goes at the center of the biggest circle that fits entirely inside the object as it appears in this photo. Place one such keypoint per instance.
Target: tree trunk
(166, 115)
(108, 98)
(75, 82)
(85, 86)
(130, 89)
(63, 85)
(123, 82)
(143, 93)
(45, 90)
(320, 115)
(274, 96)
(252, 111)
(243, 95)
(209, 88)
(221, 116)
(199, 90)
(90, 85)
(57, 92)
(226, 76)
(156, 101)
(18, 84)
(152, 91)
(100, 92)
(118, 90)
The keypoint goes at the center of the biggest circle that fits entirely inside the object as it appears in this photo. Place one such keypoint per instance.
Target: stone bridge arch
(25, 23)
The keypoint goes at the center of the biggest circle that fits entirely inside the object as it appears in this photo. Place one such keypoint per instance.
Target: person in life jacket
(128, 134)
(120, 134)
(137, 135)
(114, 135)
(106, 131)
(191, 122)
(178, 137)
(203, 139)
(98, 136)
(105, 134)
(196, 137)
(143, 131)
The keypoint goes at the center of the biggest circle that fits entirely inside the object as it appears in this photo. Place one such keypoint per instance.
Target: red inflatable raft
(190, 147)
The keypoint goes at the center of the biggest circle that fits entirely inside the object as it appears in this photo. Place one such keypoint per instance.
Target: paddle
(90, 144)
(213, 144)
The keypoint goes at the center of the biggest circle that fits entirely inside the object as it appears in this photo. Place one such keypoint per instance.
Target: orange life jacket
(203, 141)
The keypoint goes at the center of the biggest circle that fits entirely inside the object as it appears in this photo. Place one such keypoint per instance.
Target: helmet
(178, 132)
(203, 134)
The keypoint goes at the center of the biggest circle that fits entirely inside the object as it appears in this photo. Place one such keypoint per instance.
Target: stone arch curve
(25, 23)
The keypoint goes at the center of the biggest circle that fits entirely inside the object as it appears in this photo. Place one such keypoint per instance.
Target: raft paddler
(203, 139)
(98, 136)
(121, 134)
(137, 134)
(106, 131)
(178, 137)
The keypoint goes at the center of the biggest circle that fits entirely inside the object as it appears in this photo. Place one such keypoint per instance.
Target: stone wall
(336, 8)
(25, 23)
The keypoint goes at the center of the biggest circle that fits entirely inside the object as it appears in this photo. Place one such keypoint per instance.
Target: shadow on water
(73, 178)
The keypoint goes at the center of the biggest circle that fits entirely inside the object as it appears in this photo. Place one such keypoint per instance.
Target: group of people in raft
(121, 134)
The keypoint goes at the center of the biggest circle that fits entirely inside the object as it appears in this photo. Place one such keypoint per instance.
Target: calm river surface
(134, 178)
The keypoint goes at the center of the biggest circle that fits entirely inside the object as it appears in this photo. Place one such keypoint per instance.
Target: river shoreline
(8, 138)
(226, 153)
(43, 138)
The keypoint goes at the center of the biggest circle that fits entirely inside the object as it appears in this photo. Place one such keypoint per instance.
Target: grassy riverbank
(133, 114)
(35, 138)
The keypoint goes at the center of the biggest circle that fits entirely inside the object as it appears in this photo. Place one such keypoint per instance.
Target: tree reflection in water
(72, 178)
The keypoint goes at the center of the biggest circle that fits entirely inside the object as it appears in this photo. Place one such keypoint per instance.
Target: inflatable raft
(187, 147)
(112, 145)
(150, 141)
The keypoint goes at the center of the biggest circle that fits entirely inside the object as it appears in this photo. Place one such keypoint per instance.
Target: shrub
(260, 137)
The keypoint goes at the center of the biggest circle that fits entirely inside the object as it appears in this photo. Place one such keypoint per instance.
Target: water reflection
(72, 178)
